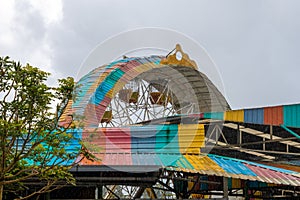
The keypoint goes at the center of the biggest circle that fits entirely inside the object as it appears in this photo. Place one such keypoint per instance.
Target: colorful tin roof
(208, 165)
(287, 115)
(175, 147)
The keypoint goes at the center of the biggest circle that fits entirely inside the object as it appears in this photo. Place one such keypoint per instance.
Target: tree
(32, 145)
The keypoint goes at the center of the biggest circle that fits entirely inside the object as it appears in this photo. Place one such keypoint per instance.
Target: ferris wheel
(145, 98)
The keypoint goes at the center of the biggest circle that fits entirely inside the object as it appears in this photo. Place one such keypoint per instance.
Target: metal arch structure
(163, 158)
(181, 90)
(187, 85)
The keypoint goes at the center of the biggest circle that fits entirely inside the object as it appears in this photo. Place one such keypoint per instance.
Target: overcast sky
(255, 43)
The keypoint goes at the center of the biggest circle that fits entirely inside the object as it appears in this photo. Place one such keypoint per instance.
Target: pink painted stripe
(118, 140)
(268, 173)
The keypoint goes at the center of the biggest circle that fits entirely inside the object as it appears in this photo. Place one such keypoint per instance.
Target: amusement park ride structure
(162, 130)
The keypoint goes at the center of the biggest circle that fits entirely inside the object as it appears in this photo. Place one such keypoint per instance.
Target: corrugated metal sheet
(271, 176)
(167, 139)
(210, 165)
(143, 139)
(203, 163)
(72, 147)
(146, 159)
(175, 146)
(147, 139)
(254, 116)
(273, 115)
(191, 138)
(214, 115)
(112, 83)
(169, 159)
(293, 165)
(117, 140)
(288, 115)
(239, 169)
(264, 166)
(112, 159)
(232, 166)
(291, 115)
(183, 162)
(234, 115)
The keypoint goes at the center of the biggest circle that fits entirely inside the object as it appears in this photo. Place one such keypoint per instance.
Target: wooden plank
(262, 134)
(222, 144)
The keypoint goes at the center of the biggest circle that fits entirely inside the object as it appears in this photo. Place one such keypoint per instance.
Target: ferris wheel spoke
(137, 115)
(119, 114)
(154, 100)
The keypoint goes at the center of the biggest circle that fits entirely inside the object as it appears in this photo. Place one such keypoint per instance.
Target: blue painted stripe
(72, 147)
(143, 139)
(254, 116)
(84, 85)
(214, 115)
(167, 139)
(255, 164)
(232, 166)
(106, 86)
(291, 115)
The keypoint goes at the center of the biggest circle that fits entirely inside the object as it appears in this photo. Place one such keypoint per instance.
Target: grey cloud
(254, 43)
(29, 29)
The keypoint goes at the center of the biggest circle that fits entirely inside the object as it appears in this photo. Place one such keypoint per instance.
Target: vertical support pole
(271, 132)
(225, 188)
(239, 136)
(264, 144)
(217, 135)
(96, 192)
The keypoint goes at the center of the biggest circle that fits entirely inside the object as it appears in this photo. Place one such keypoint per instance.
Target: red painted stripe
(273, 115)
(118, 140)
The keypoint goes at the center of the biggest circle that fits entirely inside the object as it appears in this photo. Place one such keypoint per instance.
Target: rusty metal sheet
(273, 115)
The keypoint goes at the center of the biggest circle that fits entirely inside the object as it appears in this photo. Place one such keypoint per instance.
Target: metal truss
(258, 142)
(181, 185)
